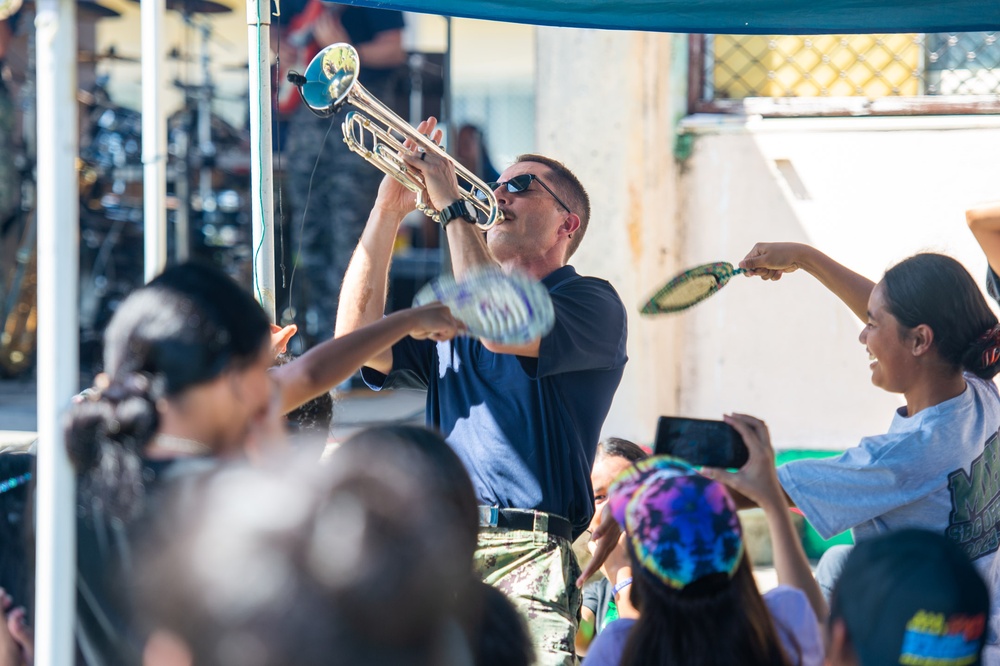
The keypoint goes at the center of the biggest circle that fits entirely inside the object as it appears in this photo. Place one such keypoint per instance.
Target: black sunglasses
(520, 184)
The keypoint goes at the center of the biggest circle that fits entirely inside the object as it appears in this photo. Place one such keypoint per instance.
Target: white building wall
(603, 100)
(868, 191)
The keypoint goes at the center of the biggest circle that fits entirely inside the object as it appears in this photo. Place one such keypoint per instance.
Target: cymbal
(196, 6)
(110, 54)
(84, 9)
(176, 55)
(88, 8)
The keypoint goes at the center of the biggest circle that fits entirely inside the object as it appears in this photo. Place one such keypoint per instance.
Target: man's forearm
(366, 282)
(467, 247)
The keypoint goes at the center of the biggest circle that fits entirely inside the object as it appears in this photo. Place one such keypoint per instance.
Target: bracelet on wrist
(621, 586)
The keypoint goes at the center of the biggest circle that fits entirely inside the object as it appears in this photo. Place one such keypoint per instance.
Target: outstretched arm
(770, 261)
(331, 362)
(758, 481)
(366, 282)
(984, 222)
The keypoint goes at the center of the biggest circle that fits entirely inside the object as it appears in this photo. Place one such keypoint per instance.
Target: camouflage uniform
(538, 572)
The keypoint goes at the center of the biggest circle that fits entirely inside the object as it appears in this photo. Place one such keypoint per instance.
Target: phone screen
(700, 442)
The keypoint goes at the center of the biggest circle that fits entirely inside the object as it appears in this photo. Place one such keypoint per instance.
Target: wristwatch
(462, 208)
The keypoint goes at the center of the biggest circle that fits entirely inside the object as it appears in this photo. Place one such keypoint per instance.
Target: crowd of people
(208, 535)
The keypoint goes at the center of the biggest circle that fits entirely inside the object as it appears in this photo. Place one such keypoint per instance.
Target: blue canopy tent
(758, 17)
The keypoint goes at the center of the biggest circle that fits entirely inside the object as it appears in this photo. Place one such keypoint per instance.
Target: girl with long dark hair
(931, 337)
(187, 378)
(693, 584)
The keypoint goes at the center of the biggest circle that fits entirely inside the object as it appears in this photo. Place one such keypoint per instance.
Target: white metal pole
(261, 150)
(154, 140)
(58, 325)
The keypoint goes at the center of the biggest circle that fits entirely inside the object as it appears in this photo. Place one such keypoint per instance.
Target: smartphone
(700, 442)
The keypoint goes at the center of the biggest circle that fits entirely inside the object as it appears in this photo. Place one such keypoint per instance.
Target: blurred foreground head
(187, 352)
(496, 632)
(908, 597)
(347, 563)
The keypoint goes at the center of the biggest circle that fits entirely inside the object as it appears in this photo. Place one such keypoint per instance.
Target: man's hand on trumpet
(393, 197)
(441, 185)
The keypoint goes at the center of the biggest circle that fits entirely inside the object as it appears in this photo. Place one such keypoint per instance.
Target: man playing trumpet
(524, 419)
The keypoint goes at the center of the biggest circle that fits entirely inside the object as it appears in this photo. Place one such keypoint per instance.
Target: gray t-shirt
(936, 470)
(596, 597)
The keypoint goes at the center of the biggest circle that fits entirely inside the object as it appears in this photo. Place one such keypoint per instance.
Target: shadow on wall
(784, 351)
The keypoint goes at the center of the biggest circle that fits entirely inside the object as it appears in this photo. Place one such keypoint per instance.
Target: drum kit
(208, 184)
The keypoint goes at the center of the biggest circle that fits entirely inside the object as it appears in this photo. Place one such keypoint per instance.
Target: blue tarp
(759, 17)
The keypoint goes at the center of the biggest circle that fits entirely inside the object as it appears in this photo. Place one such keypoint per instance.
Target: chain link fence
(846, 74)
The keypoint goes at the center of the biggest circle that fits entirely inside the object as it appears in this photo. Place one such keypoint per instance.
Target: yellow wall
(810, 66)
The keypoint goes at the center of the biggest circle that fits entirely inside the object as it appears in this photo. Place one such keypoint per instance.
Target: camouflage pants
(328, 211)
(10, 181)
(538, 572)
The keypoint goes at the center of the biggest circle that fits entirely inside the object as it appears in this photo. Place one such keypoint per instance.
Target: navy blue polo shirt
(526, 429)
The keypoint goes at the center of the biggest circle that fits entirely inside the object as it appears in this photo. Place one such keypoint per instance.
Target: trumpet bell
(8, 8)
(373, 131)
(329, 78)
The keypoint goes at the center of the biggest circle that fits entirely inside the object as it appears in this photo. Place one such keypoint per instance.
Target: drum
(116, 140)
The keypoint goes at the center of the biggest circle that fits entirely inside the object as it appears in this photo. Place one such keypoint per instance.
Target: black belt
(520, 519)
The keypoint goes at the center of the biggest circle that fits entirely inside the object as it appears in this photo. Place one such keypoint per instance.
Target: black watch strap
(457, 209)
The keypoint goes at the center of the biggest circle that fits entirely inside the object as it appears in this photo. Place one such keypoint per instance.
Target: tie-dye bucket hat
(680, 525)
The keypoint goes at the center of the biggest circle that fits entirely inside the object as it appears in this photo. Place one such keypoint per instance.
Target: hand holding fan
(509, 309)
(690, 287)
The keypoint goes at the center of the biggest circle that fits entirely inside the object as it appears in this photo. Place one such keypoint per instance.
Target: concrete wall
(867, 191)
(602, 101)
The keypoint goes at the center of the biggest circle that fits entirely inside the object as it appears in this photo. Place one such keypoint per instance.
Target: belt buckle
(489, 516)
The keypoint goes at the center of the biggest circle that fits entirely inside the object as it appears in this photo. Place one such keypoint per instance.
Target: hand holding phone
(700, 442)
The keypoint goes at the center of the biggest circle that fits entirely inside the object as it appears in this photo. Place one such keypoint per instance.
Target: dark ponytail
(183, 329)
(984, 354)
(937, 291)
(106, 434)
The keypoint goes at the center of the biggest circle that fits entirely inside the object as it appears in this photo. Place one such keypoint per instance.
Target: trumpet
(8, 8)
(331, 80)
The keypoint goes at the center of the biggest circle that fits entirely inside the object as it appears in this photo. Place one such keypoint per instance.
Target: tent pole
(261, 153)
(154, 140)
(58, 338)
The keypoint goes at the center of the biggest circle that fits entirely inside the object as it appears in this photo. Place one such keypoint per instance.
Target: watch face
(471, 214)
